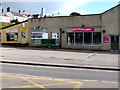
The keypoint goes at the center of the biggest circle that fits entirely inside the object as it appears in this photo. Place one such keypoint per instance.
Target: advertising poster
(106, 39)
(23, 37)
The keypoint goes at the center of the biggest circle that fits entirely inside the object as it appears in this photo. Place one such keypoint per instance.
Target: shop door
(114, 42)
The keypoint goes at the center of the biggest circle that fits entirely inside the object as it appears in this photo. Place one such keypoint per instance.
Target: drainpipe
(60, 37)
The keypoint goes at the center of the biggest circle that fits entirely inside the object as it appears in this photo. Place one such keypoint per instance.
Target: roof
(16, 14)
(111, 8)
(28, 15)
(13, 25)
(4, 15)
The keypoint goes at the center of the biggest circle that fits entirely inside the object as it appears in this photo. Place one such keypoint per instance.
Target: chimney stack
(2, 10)
(8, 9)
(24, 11)
(42, 12)
(19, 11)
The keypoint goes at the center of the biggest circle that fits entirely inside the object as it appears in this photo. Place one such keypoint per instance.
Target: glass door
(115, 42)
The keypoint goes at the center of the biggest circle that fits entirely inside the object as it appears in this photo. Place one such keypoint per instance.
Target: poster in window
(106, 39)
(23, 37)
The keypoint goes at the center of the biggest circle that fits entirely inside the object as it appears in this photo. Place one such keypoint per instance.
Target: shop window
(84, 38)
(70, 38)
(55, 35)
(12, 36)
(96, 38)
(87, 38)
(79, 38)
(0, 36)
(36, 35)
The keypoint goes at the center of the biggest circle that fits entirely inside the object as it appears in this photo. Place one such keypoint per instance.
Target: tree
(15, 21)
(75, 14)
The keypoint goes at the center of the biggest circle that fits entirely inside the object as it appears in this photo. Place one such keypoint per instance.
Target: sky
(60, 7)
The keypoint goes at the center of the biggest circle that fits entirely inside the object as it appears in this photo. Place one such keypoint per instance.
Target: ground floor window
(79, 38)
(84, 38)
(12, 36)
(96, 38)
(70, 38)
(87, 38)
(37, 35)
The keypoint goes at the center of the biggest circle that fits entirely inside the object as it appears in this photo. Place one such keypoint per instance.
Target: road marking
(78, 86)
(22, 86)
(17, 76)
(35, 84)
(55, 84)
(92, 54)
(7, 78)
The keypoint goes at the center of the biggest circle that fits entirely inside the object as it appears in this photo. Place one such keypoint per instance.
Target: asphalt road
(62, 73)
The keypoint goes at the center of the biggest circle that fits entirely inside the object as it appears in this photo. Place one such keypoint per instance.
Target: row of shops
(90, 32)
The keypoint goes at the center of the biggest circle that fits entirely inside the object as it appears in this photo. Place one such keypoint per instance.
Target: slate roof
(16, 14)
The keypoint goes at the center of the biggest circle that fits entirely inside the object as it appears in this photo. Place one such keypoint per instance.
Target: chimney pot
(2, 10)
(8, 9)
(19, 11)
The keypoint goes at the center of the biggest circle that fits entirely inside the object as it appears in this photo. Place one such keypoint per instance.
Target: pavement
(105, 60)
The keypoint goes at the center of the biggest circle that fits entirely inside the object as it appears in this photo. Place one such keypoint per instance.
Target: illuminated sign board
(83, 29)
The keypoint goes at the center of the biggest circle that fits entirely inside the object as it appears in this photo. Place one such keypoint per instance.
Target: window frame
(83, 41)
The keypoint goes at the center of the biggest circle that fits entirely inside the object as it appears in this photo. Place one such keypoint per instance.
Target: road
(61, 73)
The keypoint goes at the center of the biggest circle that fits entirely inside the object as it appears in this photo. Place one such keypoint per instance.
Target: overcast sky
(64, 7)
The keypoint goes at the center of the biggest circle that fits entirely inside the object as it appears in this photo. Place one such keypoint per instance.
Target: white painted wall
(20, 19)
(10, 15)
(5, 19)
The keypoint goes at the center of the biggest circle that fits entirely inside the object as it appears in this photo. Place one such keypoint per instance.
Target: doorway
(115, 43)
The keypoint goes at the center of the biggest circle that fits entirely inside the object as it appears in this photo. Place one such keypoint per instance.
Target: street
(88, 78)
(63, 73)
(23, 75)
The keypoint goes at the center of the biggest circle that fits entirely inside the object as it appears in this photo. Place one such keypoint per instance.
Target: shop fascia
(12, 30)
(83, 29)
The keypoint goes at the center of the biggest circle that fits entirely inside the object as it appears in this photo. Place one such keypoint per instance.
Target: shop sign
(38, 30)
(12, 30)
(106, 39)
(83, 29)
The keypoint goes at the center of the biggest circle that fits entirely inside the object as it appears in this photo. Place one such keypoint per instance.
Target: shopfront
(39, 37)
(115, 42)
(85, 32)
(83, 37)
(12, 35)
(15, 34)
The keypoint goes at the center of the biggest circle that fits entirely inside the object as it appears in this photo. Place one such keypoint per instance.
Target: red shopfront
(84, 36)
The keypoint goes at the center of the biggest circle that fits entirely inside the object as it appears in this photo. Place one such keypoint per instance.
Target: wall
(107, 21)
(67, 23)
(20, 29)
(110, 24)
(5, 19)
(10, 15)
(20, 19)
